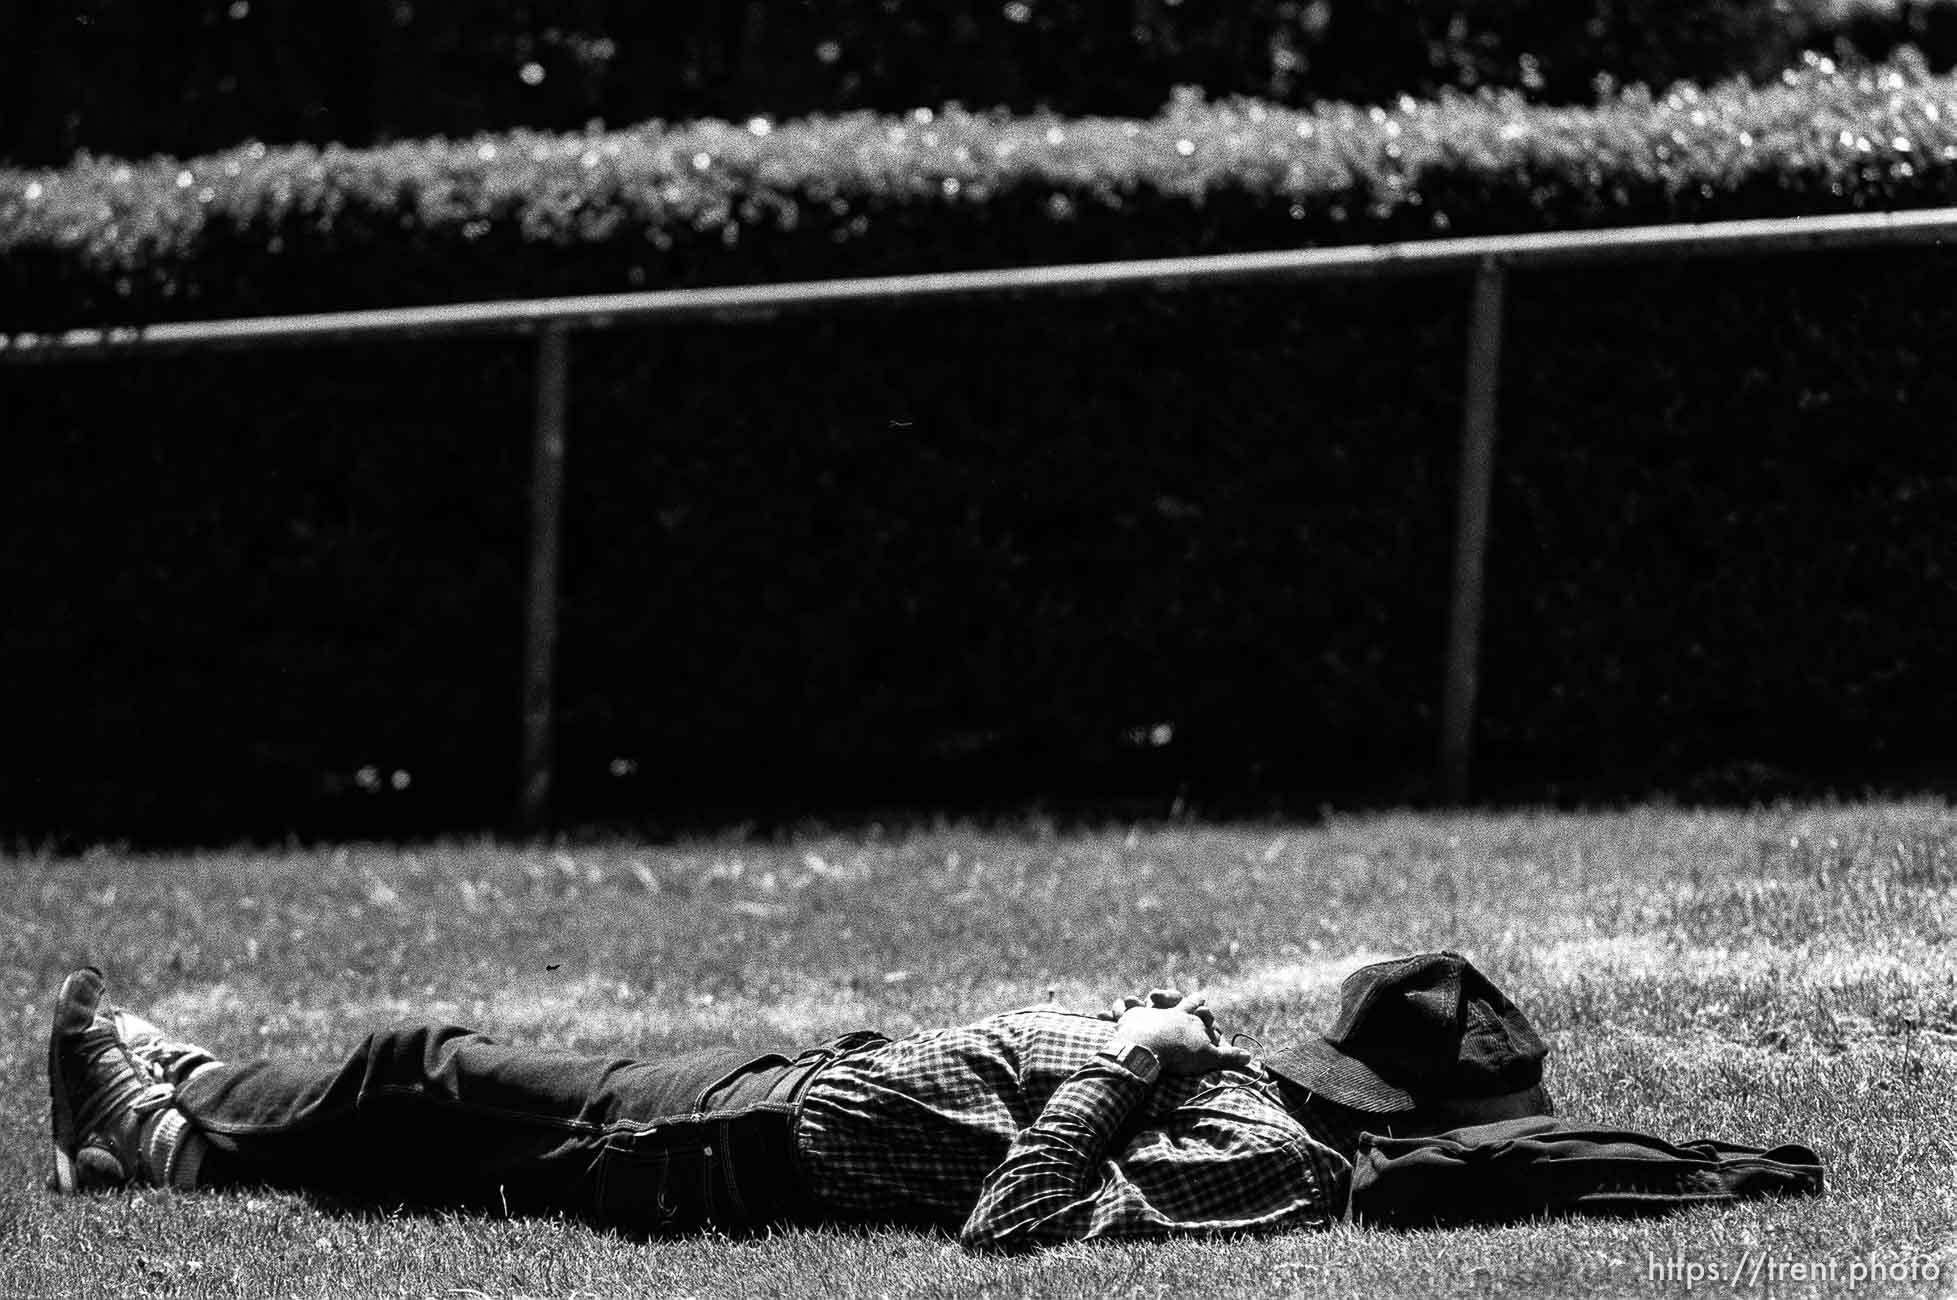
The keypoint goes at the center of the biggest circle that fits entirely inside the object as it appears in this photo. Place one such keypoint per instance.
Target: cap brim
(1318, 1067)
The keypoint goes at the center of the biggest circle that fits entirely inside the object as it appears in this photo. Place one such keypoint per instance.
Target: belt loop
(853, 1041)
(795, 1081)
(813, 1061)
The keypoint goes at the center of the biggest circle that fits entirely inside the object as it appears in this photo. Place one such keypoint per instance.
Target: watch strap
(1135, 1058)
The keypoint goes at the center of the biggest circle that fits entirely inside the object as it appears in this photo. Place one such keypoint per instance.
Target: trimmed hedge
(132, 77)
(259, 230)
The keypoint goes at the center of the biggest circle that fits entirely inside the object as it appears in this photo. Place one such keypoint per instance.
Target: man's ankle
(173, 1151)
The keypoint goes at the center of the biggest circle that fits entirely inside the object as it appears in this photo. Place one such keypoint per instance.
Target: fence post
(1478, 423)
(540, 601)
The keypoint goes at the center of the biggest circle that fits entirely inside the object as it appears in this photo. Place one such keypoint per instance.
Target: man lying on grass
(1028, 1127)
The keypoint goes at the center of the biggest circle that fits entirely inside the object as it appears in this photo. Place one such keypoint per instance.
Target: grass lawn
(1784, 975)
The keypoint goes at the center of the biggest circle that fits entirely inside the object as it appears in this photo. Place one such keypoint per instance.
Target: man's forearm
(1043, 1191)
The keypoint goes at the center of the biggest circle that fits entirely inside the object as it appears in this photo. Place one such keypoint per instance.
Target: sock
(172, 1150)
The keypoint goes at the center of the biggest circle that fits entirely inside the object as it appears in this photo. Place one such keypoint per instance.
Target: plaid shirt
(1015, 1132)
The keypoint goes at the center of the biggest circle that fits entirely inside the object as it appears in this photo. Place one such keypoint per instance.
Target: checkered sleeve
(1219, 1163)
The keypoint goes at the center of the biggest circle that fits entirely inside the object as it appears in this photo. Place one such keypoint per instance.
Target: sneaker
(164, 1060)
(103, 1095)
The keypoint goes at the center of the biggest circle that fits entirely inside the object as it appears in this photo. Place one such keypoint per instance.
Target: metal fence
(1484, 262)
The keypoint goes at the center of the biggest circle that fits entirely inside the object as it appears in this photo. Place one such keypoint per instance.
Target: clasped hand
(1179, 1029)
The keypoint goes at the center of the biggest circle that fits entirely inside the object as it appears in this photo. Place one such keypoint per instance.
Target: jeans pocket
(656, 1180)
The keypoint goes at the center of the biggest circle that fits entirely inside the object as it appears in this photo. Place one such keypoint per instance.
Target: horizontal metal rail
(765, 301)
(1486, 261)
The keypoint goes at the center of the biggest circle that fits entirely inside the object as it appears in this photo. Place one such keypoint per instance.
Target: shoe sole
(66, 1140)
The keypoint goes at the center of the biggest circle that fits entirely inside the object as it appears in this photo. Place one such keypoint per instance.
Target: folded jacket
(1543, 1166)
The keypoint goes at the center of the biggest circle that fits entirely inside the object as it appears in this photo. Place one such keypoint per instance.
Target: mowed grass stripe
(1760, 977)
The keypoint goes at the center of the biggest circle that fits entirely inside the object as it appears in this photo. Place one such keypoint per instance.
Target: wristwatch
(1134, 1058)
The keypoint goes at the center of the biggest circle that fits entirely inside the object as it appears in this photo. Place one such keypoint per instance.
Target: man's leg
(442, 1115)
(428, 1114)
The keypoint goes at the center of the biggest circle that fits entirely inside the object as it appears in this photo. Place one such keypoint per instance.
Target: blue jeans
(436, 1115)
